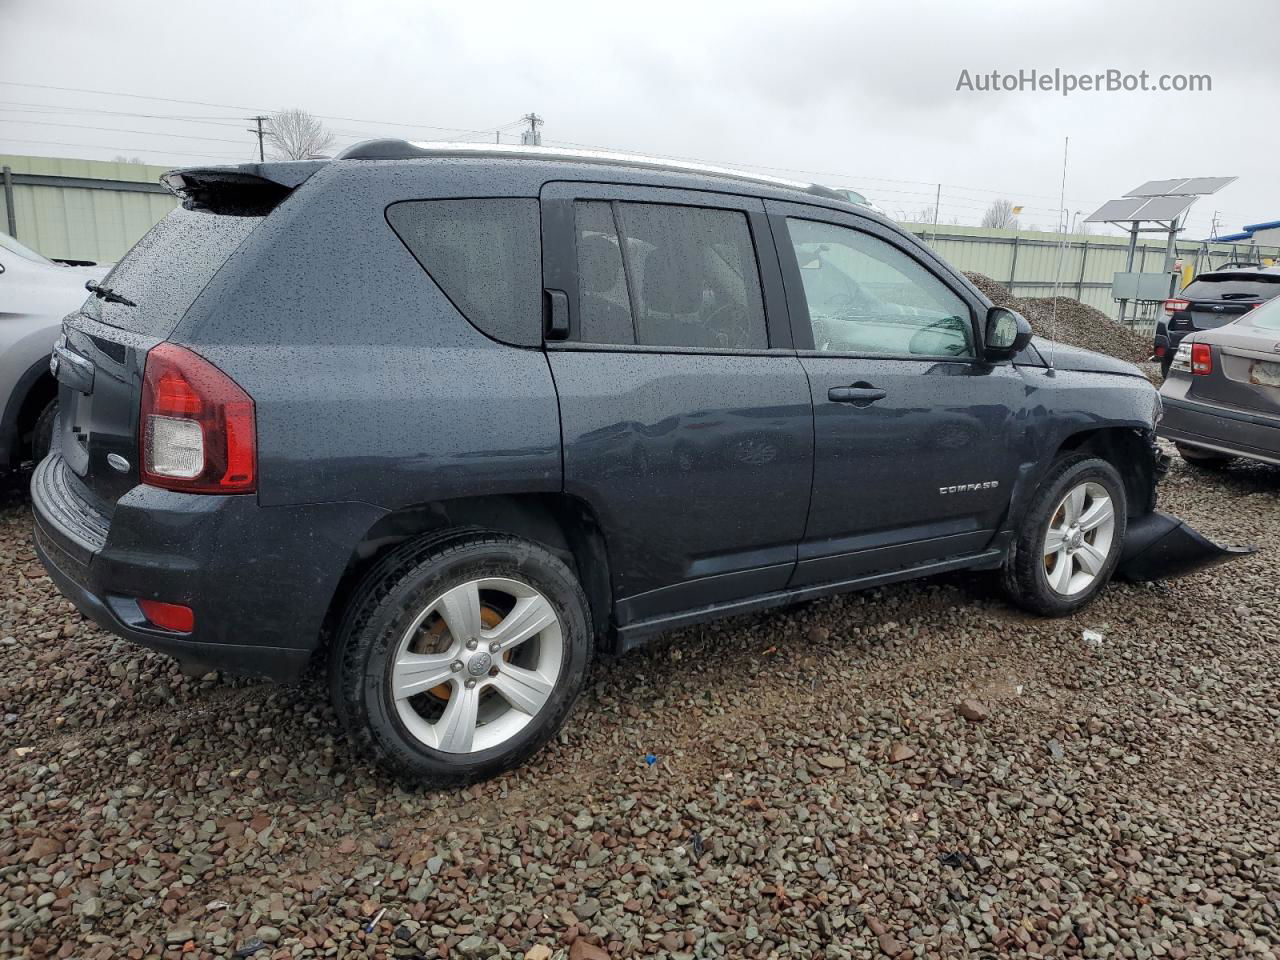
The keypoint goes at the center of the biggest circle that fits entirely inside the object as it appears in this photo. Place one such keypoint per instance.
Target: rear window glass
(166, 270)
(1233, 286)
(486, 257)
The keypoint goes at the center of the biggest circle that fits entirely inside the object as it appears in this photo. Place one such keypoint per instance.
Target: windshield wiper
(107, 294)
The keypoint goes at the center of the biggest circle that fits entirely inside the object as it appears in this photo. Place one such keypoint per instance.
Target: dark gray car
(1222, 394)
(456, 419)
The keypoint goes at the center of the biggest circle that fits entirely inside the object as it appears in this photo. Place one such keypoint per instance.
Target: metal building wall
(82, 209)
(1028, 262)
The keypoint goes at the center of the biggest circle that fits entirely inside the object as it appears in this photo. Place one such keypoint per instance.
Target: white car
(856, 196)
(35, 294)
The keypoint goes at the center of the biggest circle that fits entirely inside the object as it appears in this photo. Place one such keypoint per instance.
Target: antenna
(1062, 246)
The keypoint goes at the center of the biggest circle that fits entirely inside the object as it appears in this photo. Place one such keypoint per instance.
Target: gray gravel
(1069, 321)
(919, 771)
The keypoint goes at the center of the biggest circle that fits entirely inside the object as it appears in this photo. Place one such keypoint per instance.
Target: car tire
(440, 723)
(42, 432)
(1050, 570)
(1205, 459)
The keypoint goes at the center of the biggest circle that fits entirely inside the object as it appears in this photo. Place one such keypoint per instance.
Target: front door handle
(860, 394)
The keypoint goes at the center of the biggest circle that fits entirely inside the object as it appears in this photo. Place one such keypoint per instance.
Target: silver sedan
(1222, 395)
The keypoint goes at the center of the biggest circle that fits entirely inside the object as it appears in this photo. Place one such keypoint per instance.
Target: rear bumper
(259, 579)
(1232, 432)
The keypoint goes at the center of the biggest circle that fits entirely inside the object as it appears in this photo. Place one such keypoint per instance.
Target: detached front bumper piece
(1162, 547)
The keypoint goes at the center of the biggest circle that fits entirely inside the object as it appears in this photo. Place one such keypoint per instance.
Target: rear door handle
(860, 394)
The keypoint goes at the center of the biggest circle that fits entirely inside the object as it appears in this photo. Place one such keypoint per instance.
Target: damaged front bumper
(1159, 546)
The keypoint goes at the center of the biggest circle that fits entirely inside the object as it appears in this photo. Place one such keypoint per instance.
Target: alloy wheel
(1078, 540)
(476, 665)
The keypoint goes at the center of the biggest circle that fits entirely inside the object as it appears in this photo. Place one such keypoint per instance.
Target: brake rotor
(489, 618)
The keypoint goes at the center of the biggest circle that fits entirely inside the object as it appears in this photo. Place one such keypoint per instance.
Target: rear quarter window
(485, 254)
(166, 270)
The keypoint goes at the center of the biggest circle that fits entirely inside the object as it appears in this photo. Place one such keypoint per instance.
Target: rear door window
(485, 255)
(166, 270)
(662, 275)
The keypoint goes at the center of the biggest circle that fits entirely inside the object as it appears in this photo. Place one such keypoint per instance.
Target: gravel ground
(821, 787)
(1074, 323)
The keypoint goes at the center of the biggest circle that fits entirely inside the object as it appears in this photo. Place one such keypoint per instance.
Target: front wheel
(461, 656)
(1071, 538)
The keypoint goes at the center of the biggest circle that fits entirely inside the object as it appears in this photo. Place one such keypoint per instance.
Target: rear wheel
(1071, 538)
(461, 656)
(1199, 457)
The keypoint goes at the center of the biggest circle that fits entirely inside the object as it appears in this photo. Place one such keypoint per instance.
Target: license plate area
(1265, 373)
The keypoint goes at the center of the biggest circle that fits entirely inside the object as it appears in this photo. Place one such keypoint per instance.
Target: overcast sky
(862, 94)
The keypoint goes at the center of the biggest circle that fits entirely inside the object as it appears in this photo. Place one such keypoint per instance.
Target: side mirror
(1005, 334)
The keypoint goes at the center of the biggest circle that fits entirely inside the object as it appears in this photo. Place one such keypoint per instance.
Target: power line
(148, 133)
(107, 146)
(58, 110)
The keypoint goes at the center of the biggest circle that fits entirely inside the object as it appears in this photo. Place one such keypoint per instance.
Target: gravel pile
(919, 771)
(1076, 323)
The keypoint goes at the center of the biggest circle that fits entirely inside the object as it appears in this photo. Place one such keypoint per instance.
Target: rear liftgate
(1162, 547)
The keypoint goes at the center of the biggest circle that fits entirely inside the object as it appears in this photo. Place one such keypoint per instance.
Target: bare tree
(1000, 215)
(296, 135)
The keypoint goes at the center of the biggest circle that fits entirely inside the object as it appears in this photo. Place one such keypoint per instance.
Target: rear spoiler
(247, 189)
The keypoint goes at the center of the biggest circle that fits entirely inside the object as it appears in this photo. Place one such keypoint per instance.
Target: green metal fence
(80, 209)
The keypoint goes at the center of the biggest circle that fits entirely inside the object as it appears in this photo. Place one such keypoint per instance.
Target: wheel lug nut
(493, 647)
(472, 644)
(470, 684)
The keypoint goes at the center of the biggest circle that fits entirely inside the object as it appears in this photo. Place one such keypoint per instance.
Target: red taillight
(197, 429)
(1174, 305)
(1201, 359)
(168, 616)
(1159, 351)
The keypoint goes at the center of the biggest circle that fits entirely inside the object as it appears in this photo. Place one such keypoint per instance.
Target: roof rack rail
(392, 149)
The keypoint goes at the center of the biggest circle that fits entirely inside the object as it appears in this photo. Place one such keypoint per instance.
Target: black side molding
(1159, 546)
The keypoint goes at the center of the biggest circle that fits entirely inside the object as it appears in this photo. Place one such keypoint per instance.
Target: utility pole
(262, 155)
(937, 209)
(531, 137)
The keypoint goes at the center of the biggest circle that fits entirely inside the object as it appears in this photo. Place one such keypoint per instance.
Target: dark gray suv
(456, 419)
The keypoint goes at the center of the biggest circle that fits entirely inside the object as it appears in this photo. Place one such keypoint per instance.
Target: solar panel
(1163, 208)
(1203, 186)
(1181, 187)
(1157, 188)
(1114, 210)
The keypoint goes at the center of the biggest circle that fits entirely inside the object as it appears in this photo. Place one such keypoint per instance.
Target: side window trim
(802, 331)
(560, 259)
(628, 271)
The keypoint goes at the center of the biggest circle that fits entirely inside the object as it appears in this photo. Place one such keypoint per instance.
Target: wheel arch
(1134, 454)
(31, 393)
(565, 525)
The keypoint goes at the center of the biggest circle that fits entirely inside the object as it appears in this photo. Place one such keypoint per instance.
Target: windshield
(13, 246)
